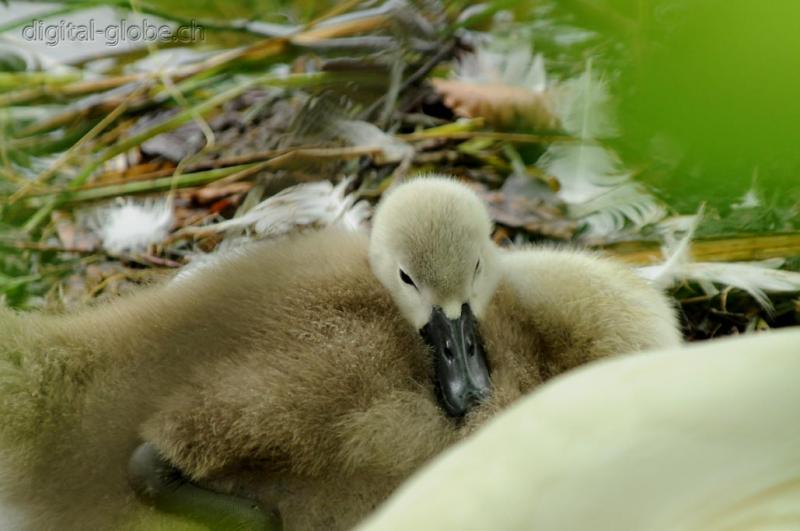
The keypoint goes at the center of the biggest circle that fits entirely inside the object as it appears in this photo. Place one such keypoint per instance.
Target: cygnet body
(313, 373)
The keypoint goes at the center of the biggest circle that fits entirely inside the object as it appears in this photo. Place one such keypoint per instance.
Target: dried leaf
(529, 211)
(211, 194)
(500, 104)
(503, 87)
(72, 235)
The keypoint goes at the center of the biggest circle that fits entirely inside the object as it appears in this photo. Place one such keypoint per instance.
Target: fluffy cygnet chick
(304, 364)
(538, 312)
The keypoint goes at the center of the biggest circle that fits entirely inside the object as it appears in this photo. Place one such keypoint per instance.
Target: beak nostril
(470, 349)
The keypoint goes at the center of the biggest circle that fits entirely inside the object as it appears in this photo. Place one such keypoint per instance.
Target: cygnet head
(431, 248)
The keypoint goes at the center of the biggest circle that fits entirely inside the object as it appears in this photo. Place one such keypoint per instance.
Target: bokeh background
(622, 125)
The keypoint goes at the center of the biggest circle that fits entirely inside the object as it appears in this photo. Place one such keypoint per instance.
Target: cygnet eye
(407, 279)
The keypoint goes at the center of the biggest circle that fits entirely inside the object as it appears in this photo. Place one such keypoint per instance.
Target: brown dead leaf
(213, 193)
(139, 171)
(532, 215)
(226, 204)
(501, 236)
(71, 235)
(498, 103)
(528, 204)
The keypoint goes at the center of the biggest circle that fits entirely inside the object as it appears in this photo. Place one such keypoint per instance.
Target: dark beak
(462, 374)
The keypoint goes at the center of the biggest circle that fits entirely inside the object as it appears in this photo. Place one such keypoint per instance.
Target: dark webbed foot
(157, 482)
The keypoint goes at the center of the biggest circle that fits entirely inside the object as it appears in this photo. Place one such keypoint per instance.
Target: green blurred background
(708, 92)
(707, 89)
